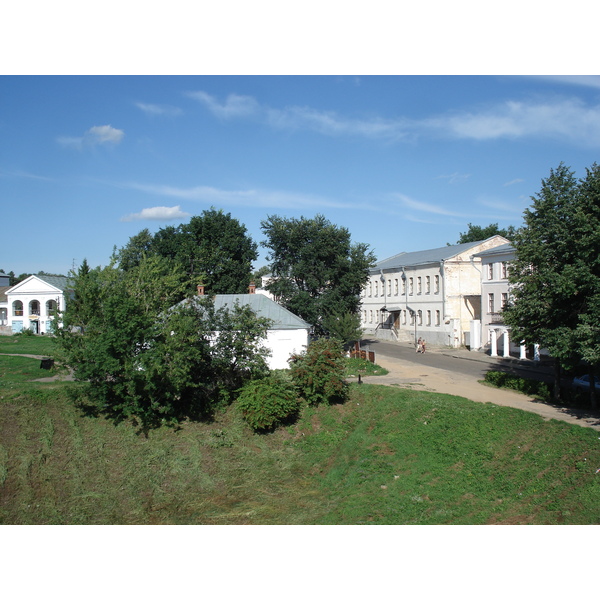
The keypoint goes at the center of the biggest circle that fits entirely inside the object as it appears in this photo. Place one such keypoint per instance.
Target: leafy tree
(556, 273)
(317, 270)
(345, 328)
(140, 356)
(476, 233)
(213, 248)
(319, 372)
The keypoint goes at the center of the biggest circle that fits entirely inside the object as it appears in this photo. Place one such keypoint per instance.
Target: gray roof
(59, 281)
(504, 249)
(263, 307)
(423, 257)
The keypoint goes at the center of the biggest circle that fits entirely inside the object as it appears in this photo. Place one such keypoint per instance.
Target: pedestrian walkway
(403, 373)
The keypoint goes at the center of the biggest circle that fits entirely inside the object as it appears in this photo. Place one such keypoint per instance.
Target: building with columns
(495, 293)
(430, 294)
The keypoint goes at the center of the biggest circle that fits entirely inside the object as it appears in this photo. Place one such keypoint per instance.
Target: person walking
(419, 344)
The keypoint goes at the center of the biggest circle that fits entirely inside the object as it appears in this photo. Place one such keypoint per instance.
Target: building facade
(31, 303)
(430, 294)
(495, 334)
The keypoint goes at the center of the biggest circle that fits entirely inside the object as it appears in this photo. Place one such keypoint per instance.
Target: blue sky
(404, 162)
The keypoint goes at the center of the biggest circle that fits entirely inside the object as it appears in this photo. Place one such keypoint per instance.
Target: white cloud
(424, 206)
(455, 177)
(97, 135)
(234, 105)
(157, 213)
(249, 197)
(513, 182)
(159, 110)
(567, 119)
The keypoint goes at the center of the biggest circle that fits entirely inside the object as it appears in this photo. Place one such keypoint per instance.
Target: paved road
(474, 364)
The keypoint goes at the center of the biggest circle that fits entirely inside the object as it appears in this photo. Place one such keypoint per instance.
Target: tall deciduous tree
(556, 274)
(317, 270)
(476, 233)
(214, 249)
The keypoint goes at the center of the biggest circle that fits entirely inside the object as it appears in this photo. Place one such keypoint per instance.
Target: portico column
(523, 348)
(506, 351)
(493, 343)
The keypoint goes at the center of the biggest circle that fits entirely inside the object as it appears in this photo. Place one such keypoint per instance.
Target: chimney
(201, 290)
(252, 288)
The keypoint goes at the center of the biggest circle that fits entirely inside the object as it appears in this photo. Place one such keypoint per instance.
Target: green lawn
(26, 344)
(388, 456)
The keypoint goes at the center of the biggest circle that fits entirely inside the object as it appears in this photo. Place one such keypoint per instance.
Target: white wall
(283, 343)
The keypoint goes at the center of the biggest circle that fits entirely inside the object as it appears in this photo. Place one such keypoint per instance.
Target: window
(376, 289)
(404, 317)
(428, 285)
(396, 287)
(418, 285)
(410, 286)
(490, 303)
(389, 287)
(404, 286)
(419, 317)
(50, 306)
(490, 271)
(504, 270)
(437, 317)
(428, 322)
(17, 308)
(34, 308)
(504, 300)
(412, 317)
(436, 289)
(364, 316)
(370, 288)
(370, 316)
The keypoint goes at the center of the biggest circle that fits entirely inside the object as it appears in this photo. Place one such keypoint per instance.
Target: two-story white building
(31, 303)
(430, 294)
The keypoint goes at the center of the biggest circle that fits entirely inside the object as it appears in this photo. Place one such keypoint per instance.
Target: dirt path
(407, 374)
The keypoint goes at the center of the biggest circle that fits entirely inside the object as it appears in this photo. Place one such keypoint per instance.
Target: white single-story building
(288, 334)
(31, 303)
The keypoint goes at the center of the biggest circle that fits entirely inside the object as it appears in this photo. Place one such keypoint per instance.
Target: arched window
(17, 308)
(50, 307)
(34, 308)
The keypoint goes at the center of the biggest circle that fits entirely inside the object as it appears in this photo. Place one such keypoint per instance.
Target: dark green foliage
(345, 328)
(141, 357)
(556, 274)
(318, 373)
(317, 270)
(476, 233)
(213, 248)
(538, 389)
(269, 402)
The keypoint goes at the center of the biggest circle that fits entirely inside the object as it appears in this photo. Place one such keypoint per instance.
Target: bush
(539, 389)
(269, 402)
(318, 373)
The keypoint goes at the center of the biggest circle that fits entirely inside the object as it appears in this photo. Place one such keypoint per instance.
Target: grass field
(388, 456)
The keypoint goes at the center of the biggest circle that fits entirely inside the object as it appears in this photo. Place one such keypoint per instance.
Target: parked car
(583, 381)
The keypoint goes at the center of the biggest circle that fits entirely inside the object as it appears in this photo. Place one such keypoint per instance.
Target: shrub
(318, 373)
(269, 402)
(539, 389)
